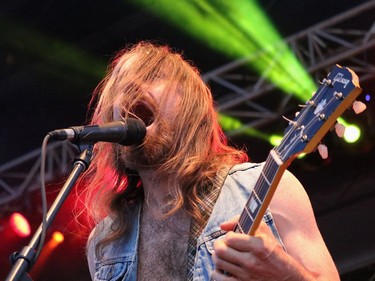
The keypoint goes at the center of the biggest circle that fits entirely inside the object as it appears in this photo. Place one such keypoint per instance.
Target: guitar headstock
(336, 93)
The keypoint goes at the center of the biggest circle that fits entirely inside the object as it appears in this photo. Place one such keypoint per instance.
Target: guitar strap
(209, 198)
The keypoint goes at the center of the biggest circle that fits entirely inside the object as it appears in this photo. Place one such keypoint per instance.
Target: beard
(156, 149)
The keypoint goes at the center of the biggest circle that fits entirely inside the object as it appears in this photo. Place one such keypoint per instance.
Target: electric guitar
(336, 93)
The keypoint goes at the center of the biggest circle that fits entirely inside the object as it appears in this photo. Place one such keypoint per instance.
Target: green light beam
(52, 50)
(238, 28)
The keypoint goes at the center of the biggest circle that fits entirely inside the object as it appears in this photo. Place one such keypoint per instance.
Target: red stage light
(20, 225)
(58, 237)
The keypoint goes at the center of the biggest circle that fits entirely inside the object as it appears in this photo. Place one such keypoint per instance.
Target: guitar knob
(358, 107)
(340, 129)
(323, 151)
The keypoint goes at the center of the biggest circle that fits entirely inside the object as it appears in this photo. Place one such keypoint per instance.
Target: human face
(157, 108)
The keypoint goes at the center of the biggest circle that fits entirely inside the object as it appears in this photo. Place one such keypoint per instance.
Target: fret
(239, 228)
(267, 176)
(245, 222)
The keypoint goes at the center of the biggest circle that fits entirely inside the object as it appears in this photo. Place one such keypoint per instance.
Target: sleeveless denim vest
(119, 259)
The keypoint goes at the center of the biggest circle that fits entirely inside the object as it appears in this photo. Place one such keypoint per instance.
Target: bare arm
(261, 257)
(296, 223)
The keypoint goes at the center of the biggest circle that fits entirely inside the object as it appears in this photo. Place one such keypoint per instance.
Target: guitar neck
(335, 94)
(261, 195)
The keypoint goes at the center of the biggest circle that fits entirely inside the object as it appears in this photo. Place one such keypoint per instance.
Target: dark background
(40, 92)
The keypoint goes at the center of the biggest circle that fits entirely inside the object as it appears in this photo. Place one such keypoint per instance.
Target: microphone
(129, 132)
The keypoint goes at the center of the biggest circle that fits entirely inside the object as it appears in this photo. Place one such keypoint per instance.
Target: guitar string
(302, 116)
(305, 111)
(310, 124)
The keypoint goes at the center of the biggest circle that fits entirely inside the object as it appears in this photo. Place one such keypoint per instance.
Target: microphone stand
(24, 260)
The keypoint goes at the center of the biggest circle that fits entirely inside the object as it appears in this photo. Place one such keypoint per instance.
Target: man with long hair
(164, 209)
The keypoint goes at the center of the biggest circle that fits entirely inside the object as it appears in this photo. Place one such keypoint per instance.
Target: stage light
(231, 124)
(58, 237)
(352, 133)
(20, 225)
(275, 139)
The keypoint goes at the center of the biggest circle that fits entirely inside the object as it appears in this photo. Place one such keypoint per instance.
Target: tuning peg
(291, 122)
(323, 151)
(358, 107)
(340, 129)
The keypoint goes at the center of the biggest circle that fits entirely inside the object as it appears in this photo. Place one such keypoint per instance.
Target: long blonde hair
(200, 148)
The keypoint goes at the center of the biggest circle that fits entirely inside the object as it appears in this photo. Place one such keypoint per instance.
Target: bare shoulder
(295, 220)
(292, 209)
(293, 213)
(291, 198)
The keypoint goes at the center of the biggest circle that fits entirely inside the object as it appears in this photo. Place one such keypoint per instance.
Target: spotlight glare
(302, 155)
(352, 134)
(20, 225)
(275, 139)
(58, 237)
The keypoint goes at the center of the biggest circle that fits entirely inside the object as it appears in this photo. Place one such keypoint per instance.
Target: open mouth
(143, 112)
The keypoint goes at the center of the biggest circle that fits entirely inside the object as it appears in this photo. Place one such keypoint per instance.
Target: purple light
(367, 97)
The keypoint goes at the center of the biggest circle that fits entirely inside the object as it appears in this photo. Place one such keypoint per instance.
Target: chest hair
(162, 249)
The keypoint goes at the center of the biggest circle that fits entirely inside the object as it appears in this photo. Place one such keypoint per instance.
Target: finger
(233, 248)
(241, 246)
(225, 269)
(244, 242)
(237, 241)
(229, 225)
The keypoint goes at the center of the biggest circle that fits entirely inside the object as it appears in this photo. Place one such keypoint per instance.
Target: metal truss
(20, 176)
(343, 39)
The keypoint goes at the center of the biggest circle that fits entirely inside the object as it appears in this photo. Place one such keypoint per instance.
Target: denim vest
(119, 259)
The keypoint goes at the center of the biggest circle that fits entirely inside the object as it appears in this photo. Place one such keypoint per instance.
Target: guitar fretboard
(254, 208)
